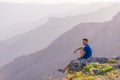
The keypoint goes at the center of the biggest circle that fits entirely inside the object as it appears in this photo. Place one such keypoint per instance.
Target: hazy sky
(57, 1)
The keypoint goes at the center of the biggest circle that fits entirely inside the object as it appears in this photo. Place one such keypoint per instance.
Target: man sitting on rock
(85, 53)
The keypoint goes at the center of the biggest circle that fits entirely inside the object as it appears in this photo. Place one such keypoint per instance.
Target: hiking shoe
(61, 70)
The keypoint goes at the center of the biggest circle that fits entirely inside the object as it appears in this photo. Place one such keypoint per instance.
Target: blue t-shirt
(88, 51)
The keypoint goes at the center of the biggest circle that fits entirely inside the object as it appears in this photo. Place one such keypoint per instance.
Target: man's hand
(74, 52)
(77, 50)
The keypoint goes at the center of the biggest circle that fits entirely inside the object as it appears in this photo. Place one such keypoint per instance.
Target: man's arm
(78, 49)
(82, 53)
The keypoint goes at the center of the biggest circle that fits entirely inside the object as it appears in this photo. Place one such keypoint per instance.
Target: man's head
(85, 41)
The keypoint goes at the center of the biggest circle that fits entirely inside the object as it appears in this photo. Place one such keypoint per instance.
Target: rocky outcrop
(78, 65)
(98, 59)
(115, 62)
(96, 68)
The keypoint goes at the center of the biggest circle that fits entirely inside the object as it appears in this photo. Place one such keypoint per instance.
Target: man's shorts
(81, 60)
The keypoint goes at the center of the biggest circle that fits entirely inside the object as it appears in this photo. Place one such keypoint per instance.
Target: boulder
(98, 59)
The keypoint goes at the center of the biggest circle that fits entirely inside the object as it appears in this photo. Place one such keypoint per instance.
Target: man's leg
(65, 68)
(68, 65)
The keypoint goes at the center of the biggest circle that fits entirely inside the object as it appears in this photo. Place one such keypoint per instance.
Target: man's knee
(72, 60)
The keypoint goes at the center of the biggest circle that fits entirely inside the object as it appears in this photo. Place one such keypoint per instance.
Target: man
(85, 53)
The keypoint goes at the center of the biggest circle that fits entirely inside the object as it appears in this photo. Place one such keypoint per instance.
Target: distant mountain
(104, 38)
(31, 15)
(41, 37)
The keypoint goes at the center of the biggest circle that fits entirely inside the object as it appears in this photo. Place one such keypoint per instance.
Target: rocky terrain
(97, 68)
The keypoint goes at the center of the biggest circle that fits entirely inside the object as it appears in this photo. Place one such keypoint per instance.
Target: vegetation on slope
(96, 71)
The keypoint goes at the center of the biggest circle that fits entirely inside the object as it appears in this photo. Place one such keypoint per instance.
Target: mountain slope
(104, 38)
(42, 36)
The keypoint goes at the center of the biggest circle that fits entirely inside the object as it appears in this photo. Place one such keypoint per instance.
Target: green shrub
(111, 61)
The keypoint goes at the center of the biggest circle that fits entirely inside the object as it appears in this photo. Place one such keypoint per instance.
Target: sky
(57, 1)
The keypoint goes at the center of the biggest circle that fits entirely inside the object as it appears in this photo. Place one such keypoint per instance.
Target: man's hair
(85, 39)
